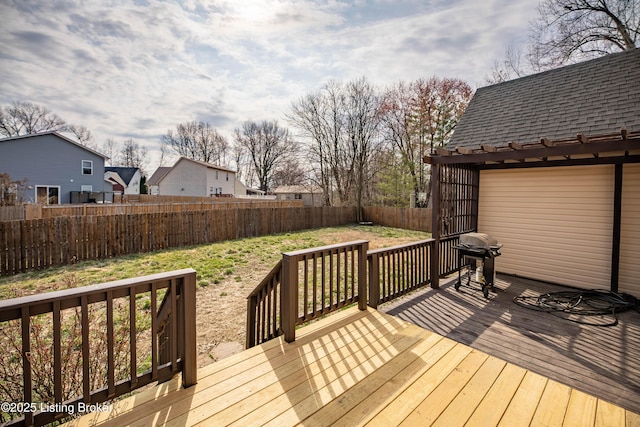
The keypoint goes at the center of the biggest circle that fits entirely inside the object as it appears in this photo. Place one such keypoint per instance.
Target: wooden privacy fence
(407, 218)
(36, 244)
(63, 351)
(34, 211)
(310, 283)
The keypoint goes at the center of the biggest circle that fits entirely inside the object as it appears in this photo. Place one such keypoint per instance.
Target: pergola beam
(583, 145)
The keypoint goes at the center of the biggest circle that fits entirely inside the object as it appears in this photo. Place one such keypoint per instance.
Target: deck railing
(263, 309)
(305, 285)
(448, 255)
(397, 270)
(68, 349)
(310, 283)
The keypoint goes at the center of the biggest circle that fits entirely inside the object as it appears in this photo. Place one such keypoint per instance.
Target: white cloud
(137, 69)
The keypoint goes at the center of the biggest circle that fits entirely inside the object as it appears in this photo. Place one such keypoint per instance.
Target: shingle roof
(594, 97)
(158, 175)
(299, 189)
(57, 134)
(125, 173)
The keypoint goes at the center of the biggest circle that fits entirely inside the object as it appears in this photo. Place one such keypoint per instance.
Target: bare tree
(26, 118)
(567, 31)
(109, 149)
(362, 125)
(515, 64)
(341, 124)
(573, 30)
(82, 134)
(198, 141)
(129, 154)
(290, 172)
(268, 146)
(133, 155)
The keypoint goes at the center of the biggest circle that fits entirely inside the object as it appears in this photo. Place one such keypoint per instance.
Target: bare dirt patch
(222, 307)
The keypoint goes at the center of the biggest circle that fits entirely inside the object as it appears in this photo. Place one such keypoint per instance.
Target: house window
(227, 176)
(86, 188)
(298, 196)
(87, 167)
(216, 174)
(46, 195)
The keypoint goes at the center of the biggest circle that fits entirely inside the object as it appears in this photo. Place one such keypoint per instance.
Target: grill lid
(479, 240)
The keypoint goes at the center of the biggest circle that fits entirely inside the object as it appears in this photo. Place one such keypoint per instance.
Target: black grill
(476, 247)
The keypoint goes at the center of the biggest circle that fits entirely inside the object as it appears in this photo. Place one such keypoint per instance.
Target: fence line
(407, 218)
(34, 211)
(37, 244)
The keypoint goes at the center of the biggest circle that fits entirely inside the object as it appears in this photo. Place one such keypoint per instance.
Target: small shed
(549, 164)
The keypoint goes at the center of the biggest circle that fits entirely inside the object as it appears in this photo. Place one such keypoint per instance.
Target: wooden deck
(364, 367)
(600, 361)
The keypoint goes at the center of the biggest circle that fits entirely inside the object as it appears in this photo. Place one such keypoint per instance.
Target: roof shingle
(593, 97)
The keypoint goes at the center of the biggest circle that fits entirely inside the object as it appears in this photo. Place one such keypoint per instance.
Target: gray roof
(158, 175)
(125, 173)
(57, 134)
(595, 97)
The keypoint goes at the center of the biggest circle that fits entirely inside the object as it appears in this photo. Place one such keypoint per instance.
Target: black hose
(571, 304)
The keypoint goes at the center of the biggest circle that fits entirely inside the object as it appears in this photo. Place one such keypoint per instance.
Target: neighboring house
(549, 164)
(244, 192)
(193, 178)
(54, 166)
(310, 196)
(125, 180)
(153, 183)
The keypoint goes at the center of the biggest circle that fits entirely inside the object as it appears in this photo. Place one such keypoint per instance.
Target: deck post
(362, 275)
(190, 362)
(374, 280)
(435, 226)
(289, 295)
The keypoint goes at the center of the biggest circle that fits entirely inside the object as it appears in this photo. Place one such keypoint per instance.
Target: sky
(135, 69)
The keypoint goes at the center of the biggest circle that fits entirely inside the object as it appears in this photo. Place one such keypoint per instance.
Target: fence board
(40, 243)
(407, 218)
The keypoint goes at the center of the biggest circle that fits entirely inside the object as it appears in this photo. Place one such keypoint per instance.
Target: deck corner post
(374, 280)
(362, 275)
(251, 321)
(190, 362)
(436, 214)
(289, 295)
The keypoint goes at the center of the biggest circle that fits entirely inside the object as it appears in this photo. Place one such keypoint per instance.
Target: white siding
(629, 281)
(555, 223)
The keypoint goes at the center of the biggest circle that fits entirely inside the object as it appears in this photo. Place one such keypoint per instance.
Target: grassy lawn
(226, 273)
(213, 262)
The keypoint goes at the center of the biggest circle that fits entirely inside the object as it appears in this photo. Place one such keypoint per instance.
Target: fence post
(362, 275)
(374, 280)
(190, 362)
(289, 296)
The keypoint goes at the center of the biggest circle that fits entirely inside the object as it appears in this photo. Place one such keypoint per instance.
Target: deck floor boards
(599, 361)
(364, 368)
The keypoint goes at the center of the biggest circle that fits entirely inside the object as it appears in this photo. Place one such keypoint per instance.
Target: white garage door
(629, 280)
(555, 223)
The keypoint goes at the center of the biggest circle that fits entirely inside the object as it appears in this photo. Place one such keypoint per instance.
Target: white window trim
(83, 168)
(86, 188)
